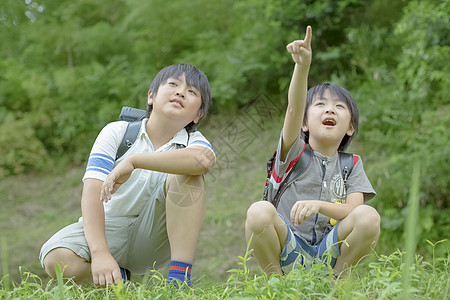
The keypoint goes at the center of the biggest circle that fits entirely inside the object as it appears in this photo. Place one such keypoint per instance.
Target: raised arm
(301, 54)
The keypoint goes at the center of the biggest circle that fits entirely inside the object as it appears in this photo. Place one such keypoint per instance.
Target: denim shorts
(298, 252)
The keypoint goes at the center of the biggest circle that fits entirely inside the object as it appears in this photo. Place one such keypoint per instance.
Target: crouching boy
(319, 210)
(144, 209)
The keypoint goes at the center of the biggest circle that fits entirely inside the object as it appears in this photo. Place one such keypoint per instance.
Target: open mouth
(179, 102)
(329, 122)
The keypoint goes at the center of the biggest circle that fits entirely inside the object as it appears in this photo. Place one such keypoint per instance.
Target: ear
(305, 128)
(350, 130)
(198, 117)
(150, 98)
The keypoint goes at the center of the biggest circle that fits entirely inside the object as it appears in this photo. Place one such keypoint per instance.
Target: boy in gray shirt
(317, 212)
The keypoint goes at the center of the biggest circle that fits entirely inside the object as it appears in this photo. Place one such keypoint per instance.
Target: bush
(402, 89)
(22, 151)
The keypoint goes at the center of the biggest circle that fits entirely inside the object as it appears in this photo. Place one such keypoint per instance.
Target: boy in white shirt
(146, 208)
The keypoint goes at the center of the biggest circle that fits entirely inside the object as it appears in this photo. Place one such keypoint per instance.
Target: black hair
(335, 92)
(194, 77)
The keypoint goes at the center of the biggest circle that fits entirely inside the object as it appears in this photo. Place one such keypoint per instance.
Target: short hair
(337, 92)
(194, 77)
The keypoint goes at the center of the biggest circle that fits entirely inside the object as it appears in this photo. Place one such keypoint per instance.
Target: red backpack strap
(303, 162)
(270, 164)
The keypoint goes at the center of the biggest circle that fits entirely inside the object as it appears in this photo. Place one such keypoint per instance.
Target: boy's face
(328, 120)
(176, 99)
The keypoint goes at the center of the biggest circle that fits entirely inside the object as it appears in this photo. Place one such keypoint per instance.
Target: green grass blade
(59, 279)
(410, 229)
(5, 277)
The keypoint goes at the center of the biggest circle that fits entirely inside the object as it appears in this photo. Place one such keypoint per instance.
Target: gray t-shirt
(321, 181)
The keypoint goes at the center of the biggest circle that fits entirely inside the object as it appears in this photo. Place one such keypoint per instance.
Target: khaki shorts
(138, 244)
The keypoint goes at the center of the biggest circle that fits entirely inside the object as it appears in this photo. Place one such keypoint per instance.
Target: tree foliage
(66, 68)
(401, 81)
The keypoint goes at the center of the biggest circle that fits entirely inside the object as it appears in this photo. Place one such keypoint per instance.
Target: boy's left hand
(303, 209)
(115, 179)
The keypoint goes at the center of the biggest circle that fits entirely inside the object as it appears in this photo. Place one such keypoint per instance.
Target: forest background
(67, 68)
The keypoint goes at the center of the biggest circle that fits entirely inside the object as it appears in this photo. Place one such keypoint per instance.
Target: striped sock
(179, 271)
(125, 274)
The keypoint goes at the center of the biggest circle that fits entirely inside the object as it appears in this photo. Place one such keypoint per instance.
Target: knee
(259, 215)
(50, 261)
(195, 180)
(71, 265)
(177, 182)
(184, 190)
(368, 220)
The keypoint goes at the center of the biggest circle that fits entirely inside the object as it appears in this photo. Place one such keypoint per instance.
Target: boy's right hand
(118, 176)
(301, 49)
(105, 270)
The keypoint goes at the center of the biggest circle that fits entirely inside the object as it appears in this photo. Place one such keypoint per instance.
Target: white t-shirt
(143, 185)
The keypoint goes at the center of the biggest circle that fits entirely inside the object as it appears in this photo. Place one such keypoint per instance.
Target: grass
(34, 206)
(380, 277)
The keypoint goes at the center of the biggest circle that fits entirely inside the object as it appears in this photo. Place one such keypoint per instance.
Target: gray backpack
(134, 117)
(346, 162)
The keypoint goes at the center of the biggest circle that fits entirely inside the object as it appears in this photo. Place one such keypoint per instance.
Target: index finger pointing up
(308, 35)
